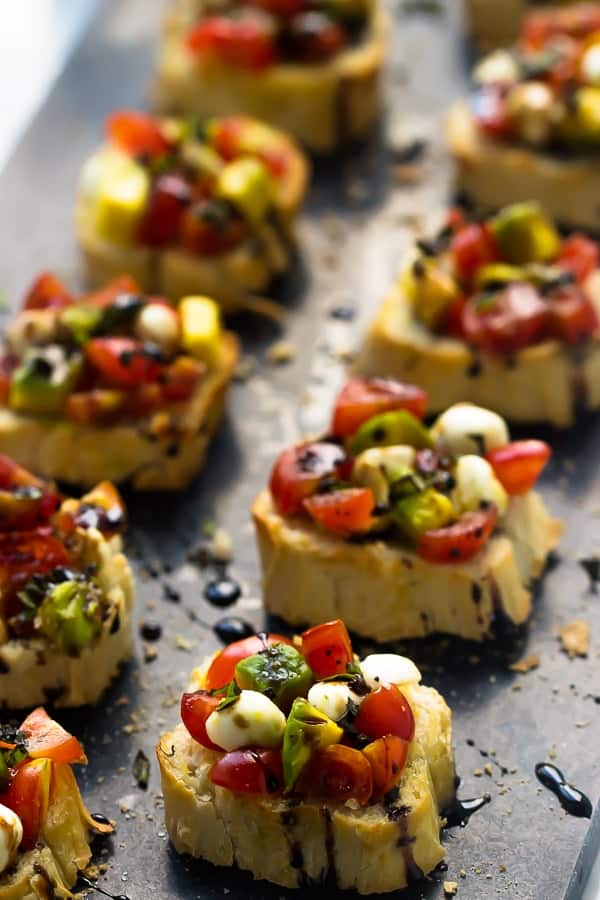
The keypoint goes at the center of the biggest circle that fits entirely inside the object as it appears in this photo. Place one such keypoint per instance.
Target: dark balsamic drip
(591, 566)
(503, 770)
(170, 593)
(101, 819)
(90, 884)
(459, 812)
(232, 628)
(151, 631)
(442, 867)
(572, 800)
(222, 591)
(343, 313)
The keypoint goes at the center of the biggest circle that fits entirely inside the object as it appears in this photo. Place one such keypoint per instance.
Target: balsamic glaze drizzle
(572, 800)
(222, 591)
(459, 812)
(93, 886)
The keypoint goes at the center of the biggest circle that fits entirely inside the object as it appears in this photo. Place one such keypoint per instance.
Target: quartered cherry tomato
(580, 255)
(327, 648)
(107, 295)
(299, 470)
(313, 37)
(512, 318)
(196, 707)
(211, 227)
(576, 22)
(387, 757)
(181, 378)
(338, 773)
(28, 795)
(362, 398)
(250, 771)
(461, 541)
(46, 292)
(222, 669)
(572, 316)
(122, 362)
(161, 223)
(344, 512)
(25, 554)
(46, 739)
(25, 501)
(136, 133)
(246, 41)
(518, 465)
(472, 247)
(386, 711)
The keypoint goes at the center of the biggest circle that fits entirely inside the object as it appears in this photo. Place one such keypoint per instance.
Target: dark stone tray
(361, 215)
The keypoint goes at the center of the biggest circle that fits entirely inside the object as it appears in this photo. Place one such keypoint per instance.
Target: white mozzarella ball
(252, 721)
(332, 698)
(389, 668)
(497, 68)
(379, 466)
(590, 64)
(466, 428)
(11, 835)
(158, 324)
(476, 483)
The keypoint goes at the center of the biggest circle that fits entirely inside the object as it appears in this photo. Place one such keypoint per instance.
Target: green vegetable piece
(421, 512)
(70, 616)
(81, 321)
(42, 382)
(499, 273)
(4, 773)
(278, 671)
(524, 234)
(307, 729)
(391, 428)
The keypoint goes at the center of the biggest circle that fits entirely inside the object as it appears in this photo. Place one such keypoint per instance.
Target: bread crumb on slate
(526, 664)
(281, 352)
(450, 888)
(575, 638)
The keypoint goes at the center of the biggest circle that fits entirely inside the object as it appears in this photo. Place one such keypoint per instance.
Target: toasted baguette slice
(547, 382)
(495, 174)
(323, 106)
(372, 849)
(386, 592)
(491, 24)
(31, 671)
(134, 453)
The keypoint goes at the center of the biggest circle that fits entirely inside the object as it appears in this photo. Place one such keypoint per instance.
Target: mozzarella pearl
(252, 721)
(466, 428)
(389, 668)
(497, 68)
(590, 65)
(158, 324)
(11, 835)
(332, 698)
(476, 483)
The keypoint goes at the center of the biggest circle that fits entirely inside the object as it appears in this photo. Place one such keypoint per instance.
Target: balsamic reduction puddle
(99, 890)
(459, 812)
(572, 800)
(487, 755)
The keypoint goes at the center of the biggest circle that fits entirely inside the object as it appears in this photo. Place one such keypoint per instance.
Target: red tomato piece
(97, 405)
(222, 669)
(196, 707)
(28, 795)
(181, 378)
(338, 773)
(246, 41)
(249, 771)
(46, 739)
(472, 247)
(577, 22)
(453, 325)
(161, 224)
(234, 136)
(387, 758)
(314, 38)
(572, 316)
(362, 398)
(580, 255)
(211, 227)
(386, 711)
(299, 470)
(21, 509)
(518, 465)
(327, 648)
(124, 284)
(46, 292)
(136, 133)
(491, 112)
(456, 219)
(25, 554)
(122, 362)
(513, 318)
(344, 512)
(461, 541)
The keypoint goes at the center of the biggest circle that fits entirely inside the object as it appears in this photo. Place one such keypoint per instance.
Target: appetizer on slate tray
(503, 312)
(117, 385)
(297, 762)
(191, 208)
(309, 68)
(404, 530)
(67, 591)
(531, 127)
(44, 824)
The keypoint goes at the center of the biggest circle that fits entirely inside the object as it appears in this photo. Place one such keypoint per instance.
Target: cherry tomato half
(23, 555)
(339, 773)
(386, 711)
(298, 471)
(161, 223)
(491, 113)
(461, 541)
(222, 669)
(195, 709)
(28, 795)
(136, 133)
(47, 291)
(344, 512)
(362, 398)
(327, 648)
(572, 317)
(580, 255)
(472, 247)
(211, 227)
(122, 362)
(313, 37)
(246, 41)
(46, 739)
(387, 757)
(250, 771)
(511, 319)
(518, 465)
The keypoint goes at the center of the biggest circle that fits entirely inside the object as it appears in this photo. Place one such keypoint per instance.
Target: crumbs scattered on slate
(141, 770)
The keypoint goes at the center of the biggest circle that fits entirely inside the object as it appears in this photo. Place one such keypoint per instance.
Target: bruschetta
(191, 207)
(44, 824)
(118, 385)
(530, 128)
(67, 591)
(310, 69)
(503, 312)
(299, 763)
(401, 529)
